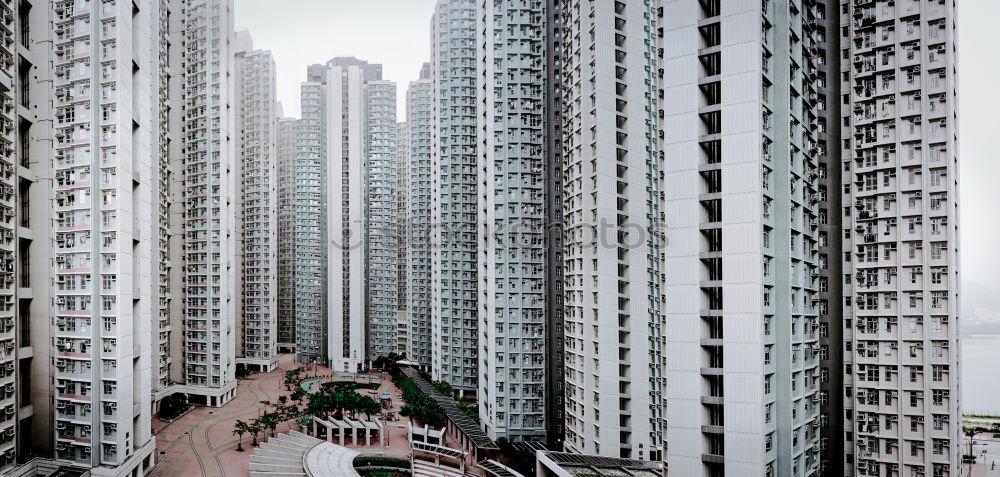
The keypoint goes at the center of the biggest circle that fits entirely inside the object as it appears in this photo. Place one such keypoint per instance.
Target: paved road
(987, 451)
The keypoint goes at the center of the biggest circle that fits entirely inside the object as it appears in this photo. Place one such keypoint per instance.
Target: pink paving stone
(180, 458)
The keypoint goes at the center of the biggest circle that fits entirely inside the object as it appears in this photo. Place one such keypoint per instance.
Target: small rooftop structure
(529, 446)
(425, 434)
(567, 464)
(496, 469)
(438, 449)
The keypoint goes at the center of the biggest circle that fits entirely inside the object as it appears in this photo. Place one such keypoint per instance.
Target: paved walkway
(201, 442)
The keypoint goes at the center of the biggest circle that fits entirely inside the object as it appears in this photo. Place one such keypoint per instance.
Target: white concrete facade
(742, 261)
(286, 141)
(210, 174)
(613, 313)
(13, 271)
(102, 204)
(345, 179)
(257, 117)
(382, 219)
(511, 189)
(308, 203)
(401, 193)
(901, 249)
(418, 219)
(453, 197)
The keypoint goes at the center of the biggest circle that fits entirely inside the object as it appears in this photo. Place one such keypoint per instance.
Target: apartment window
(938, 176)
(939, 421)
(938, 153)
(937, 373)
(937, 396)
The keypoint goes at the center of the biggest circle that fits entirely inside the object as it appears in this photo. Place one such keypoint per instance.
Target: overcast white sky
(396, 34)
(979, 142)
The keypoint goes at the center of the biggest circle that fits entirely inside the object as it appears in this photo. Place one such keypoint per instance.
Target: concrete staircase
(282, 455)
(328, 459)
(422, 468)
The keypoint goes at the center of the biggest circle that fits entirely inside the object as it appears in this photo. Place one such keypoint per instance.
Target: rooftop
(583, 465)
(496, 469)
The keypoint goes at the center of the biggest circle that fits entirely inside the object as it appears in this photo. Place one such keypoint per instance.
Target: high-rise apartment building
(309, 253)
(401, 191)
(381, 213)
(105, 167)
(612, 249)
(454, 206)
(345, 215)
(287, 211)
(830, 285)
(512, 170)
(114, 208)
(845, 277)
(211, 201)
(900, 258)
(417, 223)
(742, 265)
(754, 200)
(13, 248)
(256, 128)
(357, 154)
(168, 327)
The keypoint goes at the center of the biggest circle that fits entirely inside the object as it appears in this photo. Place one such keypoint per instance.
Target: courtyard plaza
(201, 442)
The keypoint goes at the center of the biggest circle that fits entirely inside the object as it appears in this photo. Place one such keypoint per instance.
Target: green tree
(268, 421)
(444, 387)
(970, 432)
(172, 406)
(293, 377)
(240, 428)
(254, 427)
